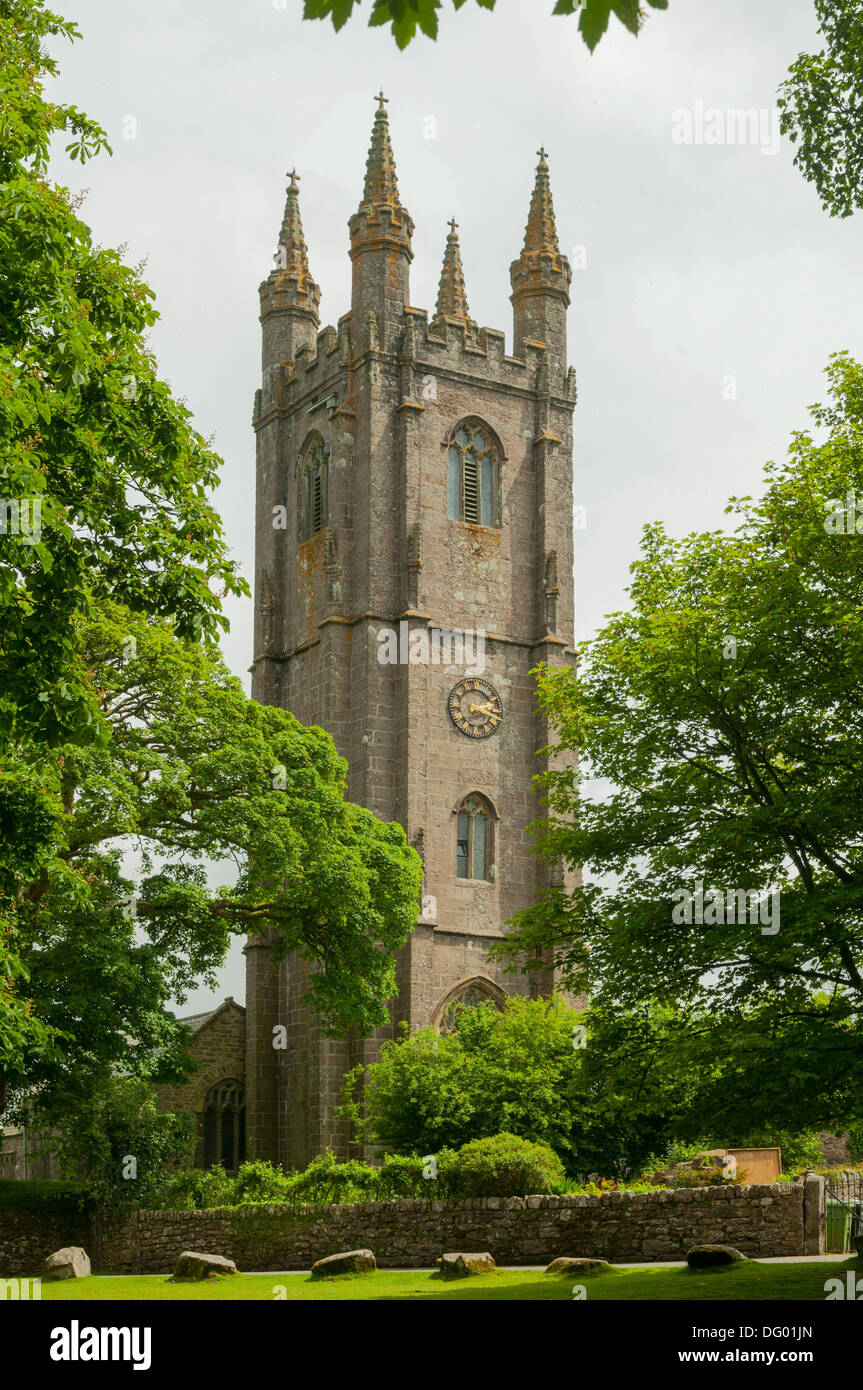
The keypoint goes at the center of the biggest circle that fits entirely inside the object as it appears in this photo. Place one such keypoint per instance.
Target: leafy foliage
(405, 17)
(118, 1142)
(821, 105)
(43, 1197)
(511, 1069)
(723, 709)
(194, 772)
(103, 482)
(607, 1107)
(504, 1165)
(649, 1087)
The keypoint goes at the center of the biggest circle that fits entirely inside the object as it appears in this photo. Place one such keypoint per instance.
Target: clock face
(475, 708)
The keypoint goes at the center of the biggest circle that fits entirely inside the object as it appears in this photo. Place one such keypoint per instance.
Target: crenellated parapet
(439, 350)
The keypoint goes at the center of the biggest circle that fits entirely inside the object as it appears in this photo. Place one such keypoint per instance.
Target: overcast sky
(704, 262)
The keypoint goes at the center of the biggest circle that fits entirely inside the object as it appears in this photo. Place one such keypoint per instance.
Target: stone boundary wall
(27, 1238)
(782, 1219)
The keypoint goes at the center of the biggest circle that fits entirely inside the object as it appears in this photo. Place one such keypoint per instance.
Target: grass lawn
(752, 1280)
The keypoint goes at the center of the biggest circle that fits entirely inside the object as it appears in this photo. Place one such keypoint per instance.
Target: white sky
(703, 261)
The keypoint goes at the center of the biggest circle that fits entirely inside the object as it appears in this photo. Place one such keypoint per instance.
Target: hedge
(44, 1197)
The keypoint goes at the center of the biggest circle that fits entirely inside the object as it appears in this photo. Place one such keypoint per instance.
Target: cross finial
(542, 153)
(452, 224)
(381, 100)
(293, 176)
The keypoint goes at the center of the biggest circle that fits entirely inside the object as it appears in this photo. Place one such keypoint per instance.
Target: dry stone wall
(782, 1219)
(27, 1239)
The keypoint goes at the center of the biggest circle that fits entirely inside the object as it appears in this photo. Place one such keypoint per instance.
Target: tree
(194, 772)
(725, 865)
(118, 1141)
(103, 481)
(821, 105)
(405, 17)
(602, 1089)
(612, 1090)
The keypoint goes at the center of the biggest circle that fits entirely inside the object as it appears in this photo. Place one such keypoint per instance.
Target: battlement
(447, 345)
(431, 347)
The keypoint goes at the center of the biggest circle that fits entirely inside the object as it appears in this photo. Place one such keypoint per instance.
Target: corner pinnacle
(452, 295)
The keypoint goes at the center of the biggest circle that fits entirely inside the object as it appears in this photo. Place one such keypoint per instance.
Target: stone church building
(414, 563)
(413, 477)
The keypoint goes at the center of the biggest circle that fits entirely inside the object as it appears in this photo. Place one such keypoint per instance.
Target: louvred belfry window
(313, 494)
(473, 477)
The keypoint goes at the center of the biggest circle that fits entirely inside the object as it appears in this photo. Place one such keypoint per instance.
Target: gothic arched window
(466, 995)
(473, 475)
(225, 1125)
(473, 852)
(312, 510)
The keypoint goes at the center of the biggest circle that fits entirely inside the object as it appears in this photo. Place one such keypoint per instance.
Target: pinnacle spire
(289, 296)
(540, 280)
(381, 231)
(381, 186)
(452, 296)
(292, 257)
(541, 233)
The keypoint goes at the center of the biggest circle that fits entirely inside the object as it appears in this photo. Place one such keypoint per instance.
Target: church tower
(425, 569)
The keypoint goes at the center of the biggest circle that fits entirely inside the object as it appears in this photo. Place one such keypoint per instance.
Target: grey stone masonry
(355, 533)
(618, 1226)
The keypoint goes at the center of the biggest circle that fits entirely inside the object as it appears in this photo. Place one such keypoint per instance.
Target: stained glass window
(225, 1126)
(473, 840)
(453, 485)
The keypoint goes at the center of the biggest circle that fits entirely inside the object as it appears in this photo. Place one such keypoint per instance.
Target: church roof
(197, 1021)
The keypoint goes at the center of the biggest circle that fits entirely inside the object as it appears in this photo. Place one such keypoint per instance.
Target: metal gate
(844, 1201)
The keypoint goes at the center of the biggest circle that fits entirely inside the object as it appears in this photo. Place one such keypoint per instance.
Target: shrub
(327, 1180)
(121, 1144)
(708, 1177)
(413, 1175)
(44, 1197)
(503, 1166)
(855, 1141)
(260, 1182)
(195, 1189)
